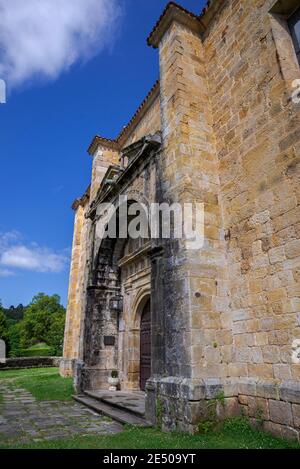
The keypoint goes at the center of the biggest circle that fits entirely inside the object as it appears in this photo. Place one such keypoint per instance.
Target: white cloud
(43, 38)
(6, 273)
(14, 254)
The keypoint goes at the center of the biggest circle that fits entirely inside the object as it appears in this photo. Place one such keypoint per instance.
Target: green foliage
(207, 426)
(44, 321)
(14, 313)
(3, 325)
(158, 412)
(14, 337)
(212, 423)
(24, 327)
(114, 374)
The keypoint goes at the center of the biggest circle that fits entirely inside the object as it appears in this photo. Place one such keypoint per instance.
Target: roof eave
(174, 13)
(81, 201)
(103, 142)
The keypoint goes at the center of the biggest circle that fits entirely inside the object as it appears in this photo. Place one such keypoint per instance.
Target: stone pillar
(194, 307)
(103, 157)
(75, 306)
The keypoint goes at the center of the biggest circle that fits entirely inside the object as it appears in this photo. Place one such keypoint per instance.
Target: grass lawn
(46, 384)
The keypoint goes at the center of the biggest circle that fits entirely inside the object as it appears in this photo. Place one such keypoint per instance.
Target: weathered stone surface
(229, 138)
(228, 408)
(273, 428)
(281, 412)
(296, 415)
(290, 391)
(24, 420)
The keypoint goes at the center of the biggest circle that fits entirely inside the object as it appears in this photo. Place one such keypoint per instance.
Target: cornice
(174, 13)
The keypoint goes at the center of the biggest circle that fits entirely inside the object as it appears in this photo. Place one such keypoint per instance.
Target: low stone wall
(29, 362)
(183, 405)
(274, 408)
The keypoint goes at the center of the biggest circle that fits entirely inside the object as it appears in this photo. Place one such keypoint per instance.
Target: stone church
(220, 324)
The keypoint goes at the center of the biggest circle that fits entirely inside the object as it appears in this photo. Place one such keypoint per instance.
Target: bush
(39, 350)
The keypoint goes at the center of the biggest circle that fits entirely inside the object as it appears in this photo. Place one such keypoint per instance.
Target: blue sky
(64, 86)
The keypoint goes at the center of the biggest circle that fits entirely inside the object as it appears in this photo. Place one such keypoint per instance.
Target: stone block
(290, 392)
(273, 428)
(271, 354)
(213, 388)
(295, 371)
(237, 370)
(247, 387)
(296, 415)
(282, 372)
(258, 408)
(244, 400)
(277, 255)
(267, 390)
(229, 408)
(195, 412)
(281, 412)
(289, 433)
(292, 249)
(261, 371)
(261, 338)
(230, 387)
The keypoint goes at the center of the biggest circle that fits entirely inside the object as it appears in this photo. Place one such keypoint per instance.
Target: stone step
(131, 403)
(117, 414)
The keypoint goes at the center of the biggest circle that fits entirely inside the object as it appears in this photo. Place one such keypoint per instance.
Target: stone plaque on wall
(109, 341)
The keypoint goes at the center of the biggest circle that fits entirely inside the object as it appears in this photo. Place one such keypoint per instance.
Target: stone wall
(231, 140)
(257, 130)
(183, 405)
(29, 362)
(226, 316)
(150, 123)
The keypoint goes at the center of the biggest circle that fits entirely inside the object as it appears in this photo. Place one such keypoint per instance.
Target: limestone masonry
(222, 323)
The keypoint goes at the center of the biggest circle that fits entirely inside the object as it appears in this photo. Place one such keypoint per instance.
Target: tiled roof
(205, 9)
(166, 10)
(82, 200)
(105, 142)
(117, 143)
(152, 93)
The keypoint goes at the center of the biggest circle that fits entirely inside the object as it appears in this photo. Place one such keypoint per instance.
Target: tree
(15, 313)
(44, 322)
(14, 338)
(3, 325)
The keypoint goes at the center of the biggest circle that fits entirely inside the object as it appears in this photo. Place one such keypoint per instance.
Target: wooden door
(145, 350)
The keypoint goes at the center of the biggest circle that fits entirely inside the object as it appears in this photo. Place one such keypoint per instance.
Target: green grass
(38, 350)
(44, 383)
(235, 434)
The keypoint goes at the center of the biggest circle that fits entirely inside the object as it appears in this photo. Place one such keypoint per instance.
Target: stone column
(104, 155)
(74, 315)
(194, 307)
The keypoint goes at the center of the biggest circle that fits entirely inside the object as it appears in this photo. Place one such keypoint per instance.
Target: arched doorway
(145, 346)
